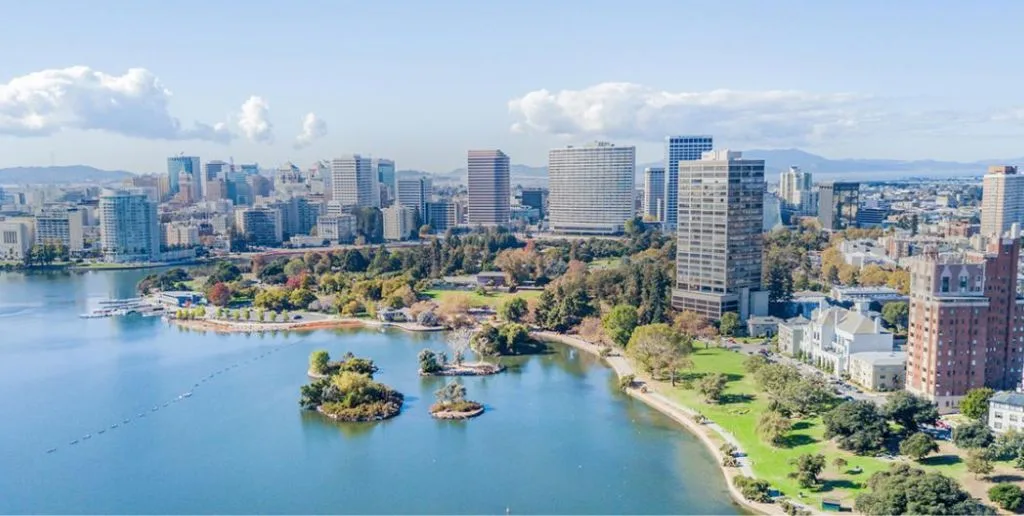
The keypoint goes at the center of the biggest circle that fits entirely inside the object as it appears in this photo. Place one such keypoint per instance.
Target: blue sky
(422, 82)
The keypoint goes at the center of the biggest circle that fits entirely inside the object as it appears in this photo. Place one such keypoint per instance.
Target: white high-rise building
(62, 226)
(129, 227)
(591, 188)
(796, 190)
(354, 182)
(415, 193)
(654, 193)
(399, 222)
(1002, 202)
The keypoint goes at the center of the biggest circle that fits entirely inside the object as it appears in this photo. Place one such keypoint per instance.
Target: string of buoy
(181, 397)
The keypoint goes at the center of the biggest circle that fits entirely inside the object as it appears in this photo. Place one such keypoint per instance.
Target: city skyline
(269, 102)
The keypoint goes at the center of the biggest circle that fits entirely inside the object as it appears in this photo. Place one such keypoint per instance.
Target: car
(296, 317)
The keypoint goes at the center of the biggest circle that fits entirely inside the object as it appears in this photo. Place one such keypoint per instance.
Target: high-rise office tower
(62, 225)
(178, 166)
(488, 178)
(442, 216)
(415, 193)
(354, 182)
(654, 193)
(129, 227)
(260, 226)
(1002, 201)
(838, 203)
(385, 170)
(966, 322)
(535, 198)
(718, 239)
(399, 222)
(591, 188)
(213, 172)
(679, 148)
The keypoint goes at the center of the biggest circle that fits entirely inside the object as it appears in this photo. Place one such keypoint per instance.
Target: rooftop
(893, 358)
(1014, 399)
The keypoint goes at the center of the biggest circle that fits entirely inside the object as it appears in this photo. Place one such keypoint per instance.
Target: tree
(752, 489)
(975, 403)
(972, 435)
(910, 411)
(896, 314)
(772, 427)
(840, 464)
(318, 361)
(808, 467)
(857, 426)
(729, 323)
(711, 387)
(977, 462)
(452, 392)
(514, 309)
(428, 362)
(619, 324)
(219, 294)
(300, 298)
(694, 325)
(659, 349)
(1007, 496)
(918, 446)
(907, 490)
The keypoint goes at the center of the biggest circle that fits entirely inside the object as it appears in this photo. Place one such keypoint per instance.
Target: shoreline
(680, 414)
(225, 326)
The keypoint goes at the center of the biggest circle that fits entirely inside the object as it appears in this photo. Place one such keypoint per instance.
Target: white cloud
(313, 128)
(633, 111)
(134, 104)
(254, 120)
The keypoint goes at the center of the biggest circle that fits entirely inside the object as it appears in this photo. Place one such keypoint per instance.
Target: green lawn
(742, 404)
(491, 299)
(603, 263)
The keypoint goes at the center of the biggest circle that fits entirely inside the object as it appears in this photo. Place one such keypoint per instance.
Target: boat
(86, 436)
(74, 442)
(113, 426)
(101, 431)
(51, 450)
(187, 395)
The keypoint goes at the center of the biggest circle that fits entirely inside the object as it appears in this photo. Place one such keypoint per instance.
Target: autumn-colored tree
(219, 294)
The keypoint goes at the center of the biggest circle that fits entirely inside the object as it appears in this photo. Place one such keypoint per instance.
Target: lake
(557, 438)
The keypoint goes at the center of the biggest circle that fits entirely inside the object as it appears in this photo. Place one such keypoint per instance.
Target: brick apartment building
(966, 322)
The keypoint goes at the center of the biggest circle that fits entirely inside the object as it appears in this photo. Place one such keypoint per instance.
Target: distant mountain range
(63, 174)
(776, 160)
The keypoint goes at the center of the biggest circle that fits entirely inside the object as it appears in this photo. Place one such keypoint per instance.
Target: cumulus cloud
(633, 111)
(134, 104)
(313, 128)
(254, 120)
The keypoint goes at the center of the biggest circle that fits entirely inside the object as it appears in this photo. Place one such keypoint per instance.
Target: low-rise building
(399, 222)
(837, 333)
(793, 337)
(762, 325)
(1006, 412)
(16, 239)
(181, 234)
(336, 228)
(863, 252)
(880, 295)
(879, 370)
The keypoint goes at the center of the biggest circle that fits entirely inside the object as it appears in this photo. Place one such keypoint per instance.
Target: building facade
(16, 239)
(415, 193)
(879, 371)
(181, 234)
(1006, 412)
(838, 203)
(385, 169)
(260, 226)
(654, 193)
(442, 216)
(354, 182)
(966, 322)
(62, 226)
(680, 148)
(796, 189)
(1002, 202)
(129, 227)
(591, 188)
(399, 222)
(836, 334)
(336, 228)
(536, 198)
(188, 166)
(718, 239)
(489, 194)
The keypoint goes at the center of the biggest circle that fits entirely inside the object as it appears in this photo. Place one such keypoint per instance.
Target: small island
(436, 363)
(321, 366)
(452, 403)
(346, 391)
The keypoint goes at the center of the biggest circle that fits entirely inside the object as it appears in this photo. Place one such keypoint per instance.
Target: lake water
(558, 438)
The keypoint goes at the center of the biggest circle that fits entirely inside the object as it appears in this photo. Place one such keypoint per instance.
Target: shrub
(753, 489)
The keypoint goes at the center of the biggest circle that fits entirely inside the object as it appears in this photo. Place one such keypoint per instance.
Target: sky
(125, 84)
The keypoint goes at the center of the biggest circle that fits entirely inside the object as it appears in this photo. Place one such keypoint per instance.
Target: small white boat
(188, 394)
(86, 436)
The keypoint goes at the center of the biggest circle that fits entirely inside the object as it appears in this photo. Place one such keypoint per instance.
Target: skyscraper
(591, 188)
(415, 193)
(488, 178)
(214, 172)
(1002, 201)
(796, 190)
(129, 227)
(679, 148)
(718, 240)
(184, 165)
(385, 169)
(838, 203)
(654, 193)
(354, 182)
(966, 322)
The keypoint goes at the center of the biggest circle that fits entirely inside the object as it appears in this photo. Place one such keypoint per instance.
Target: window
(945, 284)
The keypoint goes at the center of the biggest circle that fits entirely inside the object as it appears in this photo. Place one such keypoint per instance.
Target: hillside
(62, 174)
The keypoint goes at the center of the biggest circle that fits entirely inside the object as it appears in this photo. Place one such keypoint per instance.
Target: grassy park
(480, 300)
(738, 411)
